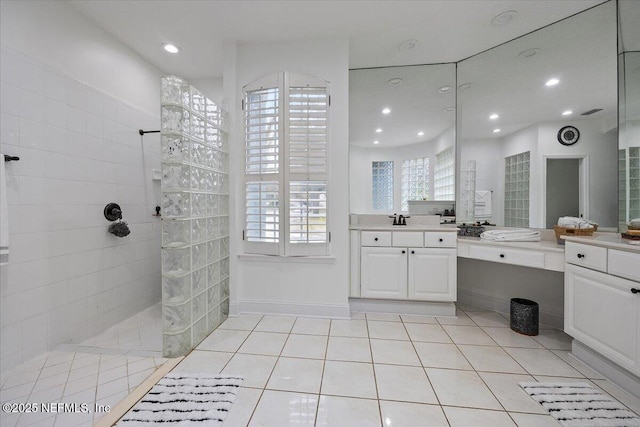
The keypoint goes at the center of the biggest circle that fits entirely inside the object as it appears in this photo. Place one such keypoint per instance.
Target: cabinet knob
(580, 255)
(501, 255)
(413, 252)
(376, 239)
(635, 291)
(404, 252)
(441, 240)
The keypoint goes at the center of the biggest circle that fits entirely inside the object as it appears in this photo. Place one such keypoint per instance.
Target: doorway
(564, 189)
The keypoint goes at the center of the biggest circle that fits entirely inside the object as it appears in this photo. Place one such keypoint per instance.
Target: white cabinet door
(383, 272)
(432, 274)
(602, 312)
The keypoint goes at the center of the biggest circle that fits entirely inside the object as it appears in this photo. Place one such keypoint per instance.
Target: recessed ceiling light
(567, 113)
(378, 130)
(376, 142)
(449, 109)
(504, 18)
(386, 110)
(395, 81)
(552, 82)
(444, 89)
(465, 85)
(529, 52)
(408, 45)
(171, 48)
(420, 133)
(496, 130)
(494, 116)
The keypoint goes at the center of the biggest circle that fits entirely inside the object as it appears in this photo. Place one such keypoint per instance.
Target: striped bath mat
(185, 400)
(580, 405)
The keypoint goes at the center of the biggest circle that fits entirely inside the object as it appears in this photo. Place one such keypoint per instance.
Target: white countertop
(542, 245)
(607, 240)
(411, 227)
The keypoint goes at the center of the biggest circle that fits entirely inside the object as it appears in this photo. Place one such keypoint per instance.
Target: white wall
(489, 171)
(276, 285)
(71, 113)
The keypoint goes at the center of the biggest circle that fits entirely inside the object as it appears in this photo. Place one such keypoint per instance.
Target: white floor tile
(507, 338)
(403, 414)
(112, 374)
(200, 361)
(301, 375)
(416, 318)
(244, 322)
(427, 333)
(385, 317)
(16, 394)
(533, 420)
(352, 379)
(490, 359)
(349, 349)
(465, 417)
(387, 330)
(343, 411)
(224, 340)
(267, 343)
(255, 369)
(437, 355)
(111, 388)
(279, 408)
(404, 383)
(394, 352)
(461, 388)
(81, 384)
(242, 408)
(542, 362)
(554, 339)
(473, 335)
(460, 319)
(508, 391)
(311, 326)
(349, 328)
(307, 346)
(136, 379)
(276, 324)
(489, 318)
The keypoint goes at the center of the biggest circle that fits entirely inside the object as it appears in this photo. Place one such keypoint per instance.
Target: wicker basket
(564, 231)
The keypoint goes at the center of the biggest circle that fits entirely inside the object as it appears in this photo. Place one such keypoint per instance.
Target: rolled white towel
(513, 235)
(574, 222)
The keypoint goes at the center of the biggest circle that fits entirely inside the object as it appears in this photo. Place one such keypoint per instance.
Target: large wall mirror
(537, 126)
(402, 139)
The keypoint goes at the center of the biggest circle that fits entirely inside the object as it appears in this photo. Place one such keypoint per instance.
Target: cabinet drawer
(440, 240)
(508, 256)
(586, 256)
(624, 264)
(408, 238)
(376, 238)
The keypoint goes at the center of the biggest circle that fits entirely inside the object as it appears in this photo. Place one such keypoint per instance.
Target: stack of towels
(574, 222)
(512, 235)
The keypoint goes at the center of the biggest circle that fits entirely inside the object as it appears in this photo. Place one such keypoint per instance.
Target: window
(444, 175)
(415, 181)
(285, 120)
(382, 185)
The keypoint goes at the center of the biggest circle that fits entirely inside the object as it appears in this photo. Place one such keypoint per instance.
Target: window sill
(313, 259)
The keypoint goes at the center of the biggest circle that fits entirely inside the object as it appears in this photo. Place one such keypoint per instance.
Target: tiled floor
(100, 371)
(380, 369)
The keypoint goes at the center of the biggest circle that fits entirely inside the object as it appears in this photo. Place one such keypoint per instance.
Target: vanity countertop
(607, 240)
(542, 245)
(409, 227)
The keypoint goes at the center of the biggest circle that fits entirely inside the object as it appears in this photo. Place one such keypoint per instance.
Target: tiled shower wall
(195, 224)
(79, 148)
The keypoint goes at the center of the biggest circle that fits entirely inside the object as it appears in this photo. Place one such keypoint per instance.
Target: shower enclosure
(195, 217)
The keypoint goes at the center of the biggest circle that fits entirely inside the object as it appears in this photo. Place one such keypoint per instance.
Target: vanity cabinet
(602, 301)
(408, 265)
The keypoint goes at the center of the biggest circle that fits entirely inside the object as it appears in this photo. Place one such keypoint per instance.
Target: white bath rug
(185, 400)
(580, 405)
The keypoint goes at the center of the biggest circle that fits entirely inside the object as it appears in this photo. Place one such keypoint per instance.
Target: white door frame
(583, 190)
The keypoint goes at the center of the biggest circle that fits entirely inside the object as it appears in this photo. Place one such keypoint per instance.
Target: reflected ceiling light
(395, 81)
(530, 52)
(444, 89)
(376, 142)
(552, 82)
(449, 109)
(171, 48)
(408, 45)
(494, 116)
(496, 130)
(504, 18)
(420, 133)
(386, 110)
(567, 113)
(378, 130)
(465, 85)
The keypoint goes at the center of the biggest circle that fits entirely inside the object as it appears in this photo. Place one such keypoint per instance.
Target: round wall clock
(568, 135)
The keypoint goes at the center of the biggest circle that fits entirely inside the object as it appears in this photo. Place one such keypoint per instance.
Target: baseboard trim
(402, 307)
(501, 305)
(612, 371)
(336, 311)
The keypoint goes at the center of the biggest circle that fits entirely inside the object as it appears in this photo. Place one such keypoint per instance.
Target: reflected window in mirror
(382, 184)
(415, 181)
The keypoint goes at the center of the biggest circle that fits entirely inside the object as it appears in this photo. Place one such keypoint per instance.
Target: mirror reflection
(537, 126)
(402, 138)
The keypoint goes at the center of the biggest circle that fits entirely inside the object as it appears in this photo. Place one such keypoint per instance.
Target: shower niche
(195, 216)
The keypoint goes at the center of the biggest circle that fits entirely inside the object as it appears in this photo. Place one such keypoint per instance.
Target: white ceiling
(446, 30)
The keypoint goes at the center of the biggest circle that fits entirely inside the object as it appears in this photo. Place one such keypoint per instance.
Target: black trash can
(524, 316)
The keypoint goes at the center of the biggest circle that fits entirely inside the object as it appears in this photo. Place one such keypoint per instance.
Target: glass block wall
(516, 190)
(467, 210)
(445, 175)
(622, 188)
(195, 217)
(629, 184)
(382, 185)
(634, 182)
